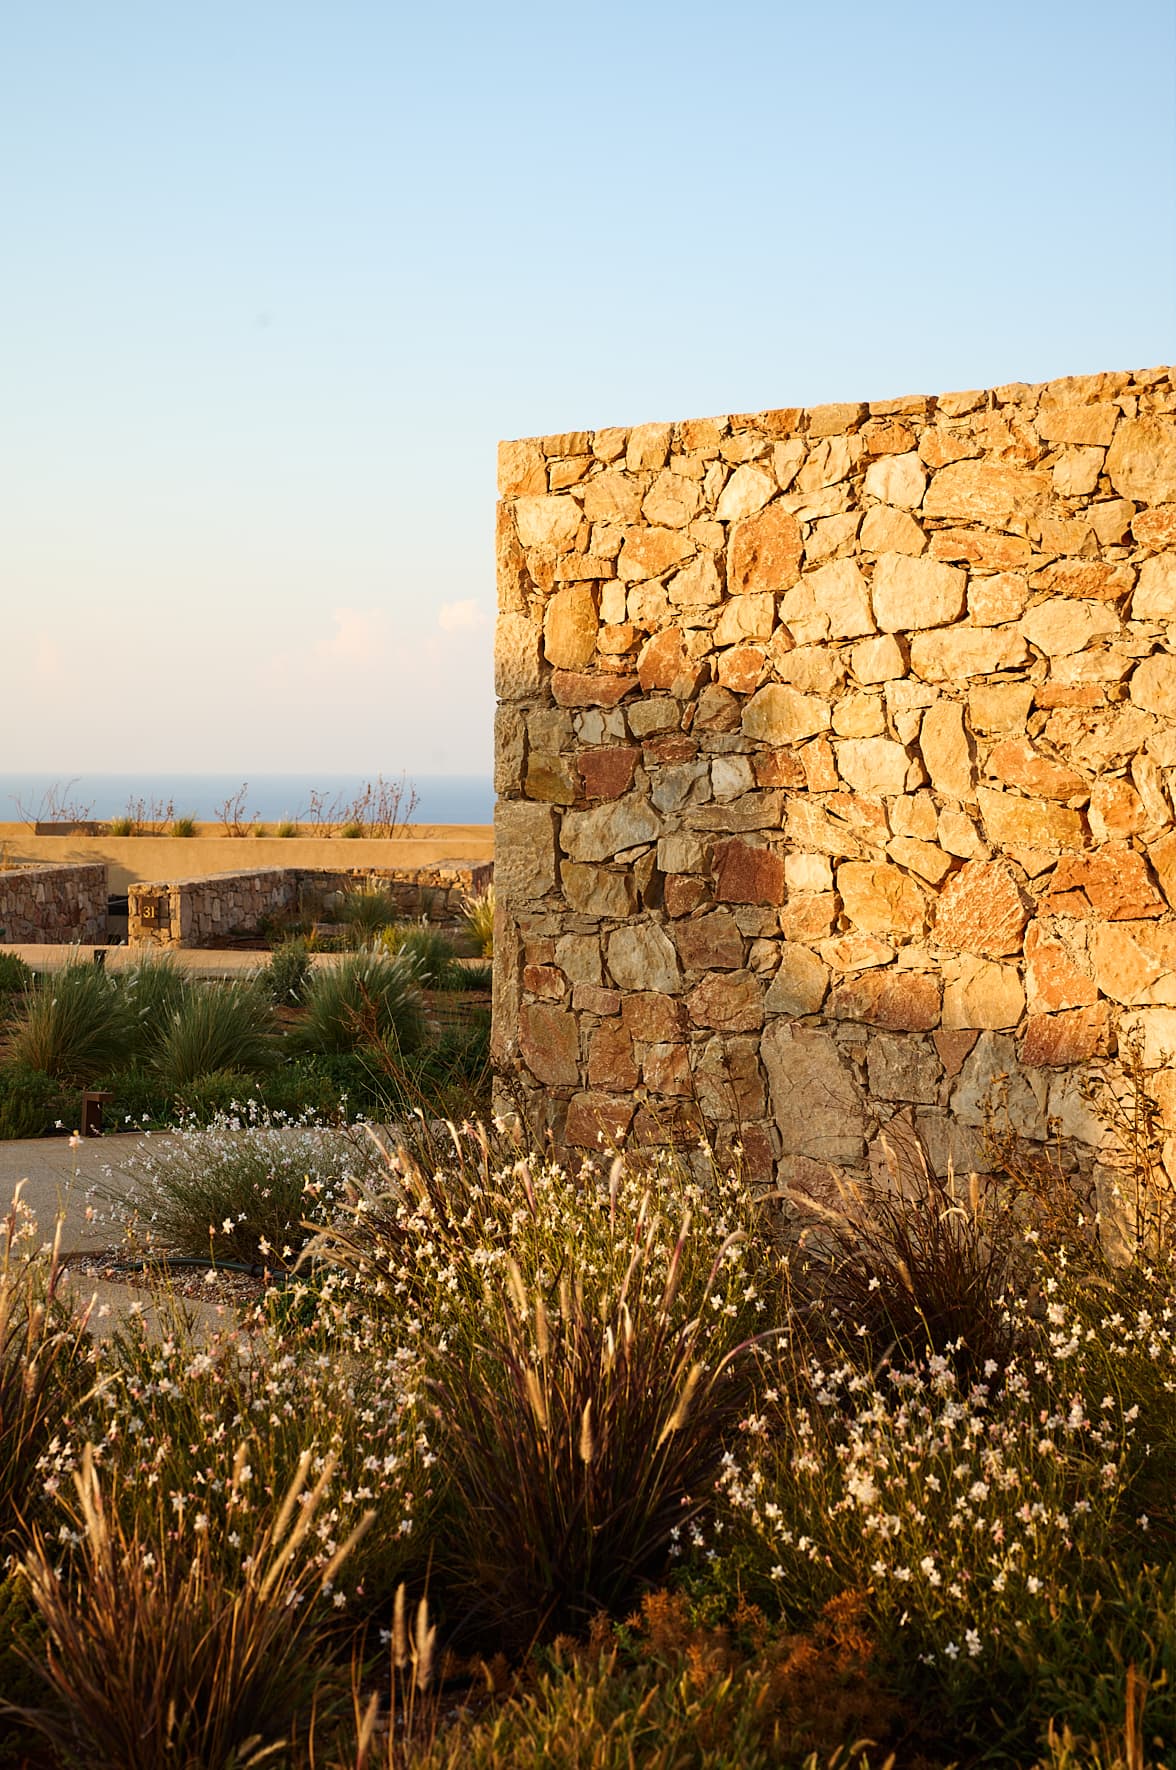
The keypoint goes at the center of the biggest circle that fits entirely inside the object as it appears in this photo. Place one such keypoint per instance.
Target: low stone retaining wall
(201, 912)
(48, 905)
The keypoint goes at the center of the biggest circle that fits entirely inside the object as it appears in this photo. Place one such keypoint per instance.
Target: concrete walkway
(55, 1178)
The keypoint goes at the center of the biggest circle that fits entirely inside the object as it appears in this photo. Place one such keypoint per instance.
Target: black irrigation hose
(251, 1270)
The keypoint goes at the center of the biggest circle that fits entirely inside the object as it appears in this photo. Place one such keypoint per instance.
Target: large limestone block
(597, 892)
(710, 942)
(879, 898)
(612, 497)
(1131, 963)
(897, 479)
(982, 910)
(1141, 461)
(1013, 822)
(778, 714)
(517, 665)
(642, 957)
(814, 669)
(800, 984)
(1155, 593)
(522, 469)
(730, 1002)
(696, 585)
(816, 1103)
(913, 593)
(609, 829)
(570, 626)
(647, 553)
(886, 530)
(1061, 625)
(873, 764)
(947, 750)
(548, 522)
(765, 552)
(983, 995)
(672, 500)
(524, 851)
(832, 602)
(1088, 425)
(900, 1001)
(949, 654)
(1153, 685)
(878, 660)
(994, 1090)
(748, 490)
(1018, 764)
(986, 492)
(1056, 1040)
(746, 617)
(903, 1068)
(549, 1041)
(1053, 979)
(1152, 1032)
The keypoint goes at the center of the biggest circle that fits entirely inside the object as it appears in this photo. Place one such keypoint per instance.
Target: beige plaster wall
(836, 753)
(130, 859)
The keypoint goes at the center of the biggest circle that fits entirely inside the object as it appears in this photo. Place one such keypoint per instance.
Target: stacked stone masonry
(836, 772)
(53, 905)
(200, 912)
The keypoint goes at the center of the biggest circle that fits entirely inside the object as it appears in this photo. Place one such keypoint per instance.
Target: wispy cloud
(462, 617)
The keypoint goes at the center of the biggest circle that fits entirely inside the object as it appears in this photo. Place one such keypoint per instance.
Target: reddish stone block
(684, 892)
(1113, 882)
(610, 1057)
(576, 688)
(547, 981)
(1069, 1037)
(653, 1018)
(665, 1069)
(589, 998)
(982, 909)
(597, 1120)
(778, 768)
(741, 669)
(953, 1047)
(676, 747)
(1052, 979)
(820, 769)
(710, 943)
(765, 552)
(747, 874)
(608, 773)
(665, 1123)
(549, 1042)
(900, 1001)
(748, 1149)
(731, 1002)
(1065, 694)
(810, 918)
(663, 660)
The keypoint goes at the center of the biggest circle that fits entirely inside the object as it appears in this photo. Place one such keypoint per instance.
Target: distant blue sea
(441, 798)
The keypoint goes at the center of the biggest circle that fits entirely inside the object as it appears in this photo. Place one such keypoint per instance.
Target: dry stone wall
(53, 905)
(836, 763)
(202, 911)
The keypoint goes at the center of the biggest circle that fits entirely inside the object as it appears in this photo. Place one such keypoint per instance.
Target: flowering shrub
(240, 1188)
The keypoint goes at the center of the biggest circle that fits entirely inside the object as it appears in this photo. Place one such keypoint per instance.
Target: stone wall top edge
(798, 420)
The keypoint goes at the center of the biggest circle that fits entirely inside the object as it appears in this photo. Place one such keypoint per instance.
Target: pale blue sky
(278, 276)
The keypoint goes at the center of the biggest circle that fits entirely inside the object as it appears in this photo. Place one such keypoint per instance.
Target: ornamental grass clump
(155, 1659)
(73, 1025)
(427, 950)
(215, 1027)
(45, 1362)
(588, 1356)
(240, 1189)
(365, 999)
(365, 913)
